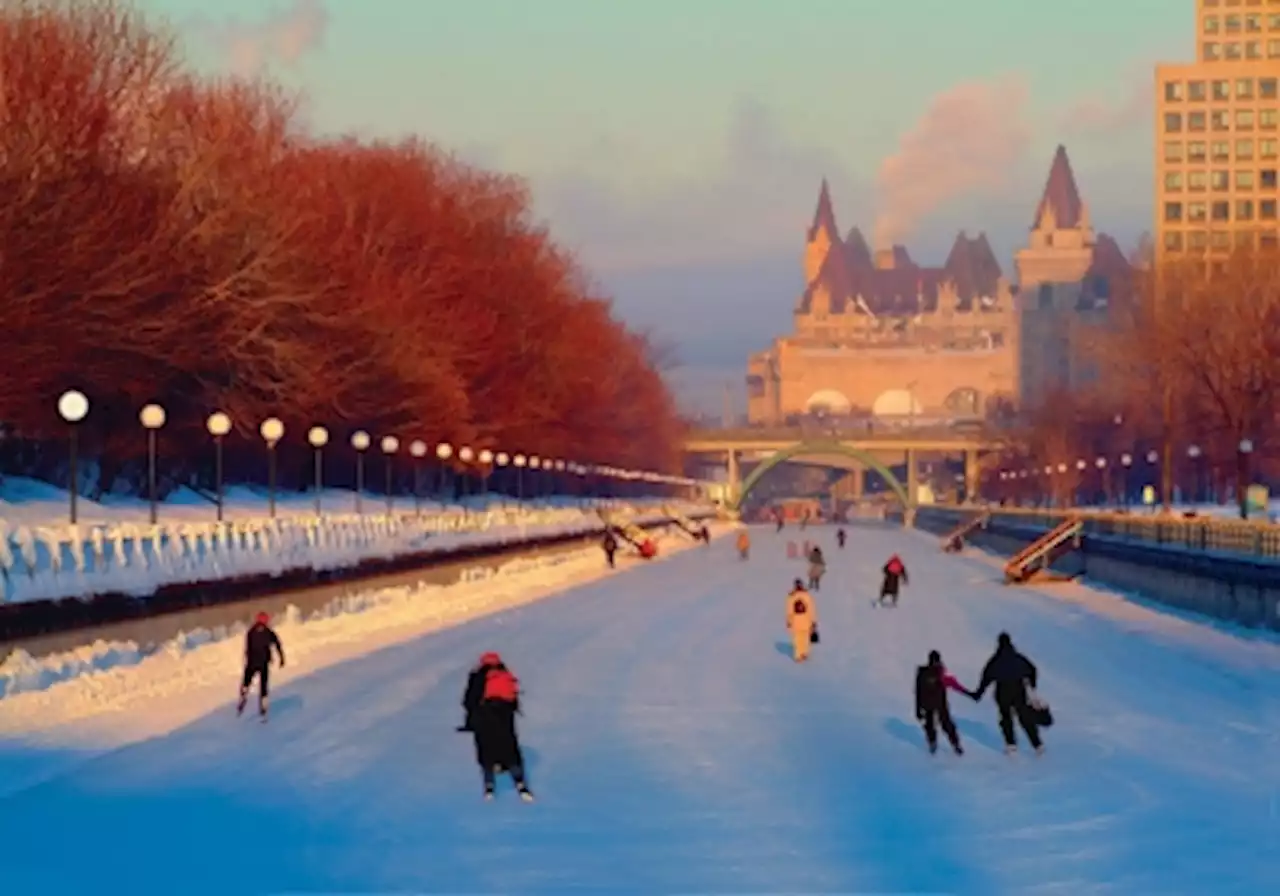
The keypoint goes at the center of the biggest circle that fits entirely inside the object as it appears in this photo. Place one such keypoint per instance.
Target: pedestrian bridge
(854, 448)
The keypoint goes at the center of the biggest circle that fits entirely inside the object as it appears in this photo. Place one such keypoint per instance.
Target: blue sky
(678, 144)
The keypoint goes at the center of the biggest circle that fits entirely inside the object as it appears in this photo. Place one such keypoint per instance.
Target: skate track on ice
(673, 747)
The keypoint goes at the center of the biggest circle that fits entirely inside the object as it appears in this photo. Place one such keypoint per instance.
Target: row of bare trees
(1188, 356)
(172, 238)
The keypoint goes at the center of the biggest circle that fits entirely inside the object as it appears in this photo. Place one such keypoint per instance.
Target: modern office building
(1218, 134)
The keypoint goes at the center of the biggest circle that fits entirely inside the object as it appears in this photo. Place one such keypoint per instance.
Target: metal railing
(1242, 537)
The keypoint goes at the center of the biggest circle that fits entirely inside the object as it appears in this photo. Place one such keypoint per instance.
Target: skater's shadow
(290, 703)
(783, 647)
(912, 735)
(979, 733)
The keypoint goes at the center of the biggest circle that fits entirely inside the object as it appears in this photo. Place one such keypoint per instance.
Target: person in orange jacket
(744, 544)
(802, 621)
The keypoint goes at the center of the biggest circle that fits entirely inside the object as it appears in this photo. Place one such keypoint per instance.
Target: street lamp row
(73, 408)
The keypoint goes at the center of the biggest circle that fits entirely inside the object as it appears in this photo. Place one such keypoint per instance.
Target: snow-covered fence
(52, 562)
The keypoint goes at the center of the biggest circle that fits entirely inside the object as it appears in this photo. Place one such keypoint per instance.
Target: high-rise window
(1220, 151)
(1244, 150)
(1173, 240)
(1244, 88)
(1220, 119)
(1267, 210)
(1172, 122)
(1197, 181)
(1173, 91)
(1268, 149)
(1195, 121)
(1197, 239)
(1173, 211)
(1196, 151)
(1232, 50)
(1220, 180)
(1244, 119)
(1197, 211)
(1253, 49)
(1173, 151)
(1267, 88)
(1196, 91)
(1173, 181)
(1244, 180)
(1244, 210)
(1267, 119)
(1213, 52)
(1222, 90)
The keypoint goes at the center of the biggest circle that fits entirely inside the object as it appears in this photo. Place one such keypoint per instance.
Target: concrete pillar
(972, 476)
(733, 481)
(913, 479)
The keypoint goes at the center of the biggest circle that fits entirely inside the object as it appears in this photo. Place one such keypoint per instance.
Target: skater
(802, 621)
(610, 545)
(817, 568)
(933, 711)
(1011, 673)
(744, 544)
(954, 545)
(491, 701)
(779, 521)
(840, 538)
(895, 576)
(705, 534)
(258, 643)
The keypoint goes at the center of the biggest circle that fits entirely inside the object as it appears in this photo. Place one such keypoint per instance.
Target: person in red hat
(491, 701)
(258, 643)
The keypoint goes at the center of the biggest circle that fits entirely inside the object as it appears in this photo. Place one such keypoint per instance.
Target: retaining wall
(1228, 586)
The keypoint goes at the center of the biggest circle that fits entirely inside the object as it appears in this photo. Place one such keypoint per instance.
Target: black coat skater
(491, 718)
(1011, 673)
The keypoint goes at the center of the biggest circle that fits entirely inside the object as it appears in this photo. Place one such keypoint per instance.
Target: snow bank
(112, 693)
(50, 562)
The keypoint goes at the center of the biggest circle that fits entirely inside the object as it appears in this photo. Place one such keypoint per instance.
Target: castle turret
(823, 235)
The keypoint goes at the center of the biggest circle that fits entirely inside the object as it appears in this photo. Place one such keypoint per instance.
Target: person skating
(817, 568)
(705, 534)
(840, 538)
(933, 710)
(802, 621)
(259, 641)
(1011, 673)
(610, 546)
(895, 576)
(744, 544)
(491, 701)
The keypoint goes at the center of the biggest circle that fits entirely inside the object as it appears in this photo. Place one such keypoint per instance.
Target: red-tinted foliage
(172, 239)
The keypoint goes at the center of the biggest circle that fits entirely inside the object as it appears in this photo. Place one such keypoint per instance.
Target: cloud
(286, 37)
(754, 195)
(1128, 108)
(971, 138)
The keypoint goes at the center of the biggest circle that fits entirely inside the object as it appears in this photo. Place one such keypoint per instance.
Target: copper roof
(1060, 194)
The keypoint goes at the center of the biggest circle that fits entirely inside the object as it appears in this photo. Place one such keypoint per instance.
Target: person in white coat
(802, 621)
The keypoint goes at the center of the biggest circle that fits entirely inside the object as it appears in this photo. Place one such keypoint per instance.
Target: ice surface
(673, 747)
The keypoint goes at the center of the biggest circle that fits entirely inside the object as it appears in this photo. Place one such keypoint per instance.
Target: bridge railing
(1257, 538)
(859, 431)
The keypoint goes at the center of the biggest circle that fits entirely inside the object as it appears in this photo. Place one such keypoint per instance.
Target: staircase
(1034, 560)
(978, 521)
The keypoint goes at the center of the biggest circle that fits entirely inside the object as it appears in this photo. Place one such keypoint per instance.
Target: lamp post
(218, 425)
(417, 450)
(486, 459)
(390, 445)
(318, 437)
(1244, 451)
(360, 441)
(1101, 464)
(1126, 461)
(444, 451)
(152, 419)
(1194, 454)
(535, 463)
(466, 455)
(73, 407)
(519, 461)
(502, 459)
(272, 431)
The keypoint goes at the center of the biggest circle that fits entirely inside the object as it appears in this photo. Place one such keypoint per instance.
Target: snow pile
(49, 562)
(191, 675)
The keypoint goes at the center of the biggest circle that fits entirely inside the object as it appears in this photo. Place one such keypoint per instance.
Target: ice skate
(240, 705)
(933, 748)
(488, 793)
(525, 793)
(1010, 750)
(1040, 750)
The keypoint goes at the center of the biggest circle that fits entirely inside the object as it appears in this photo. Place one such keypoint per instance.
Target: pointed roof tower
(1060, 206)
(824, 217)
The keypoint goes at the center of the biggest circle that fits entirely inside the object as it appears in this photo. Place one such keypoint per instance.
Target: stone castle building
(878, 335)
